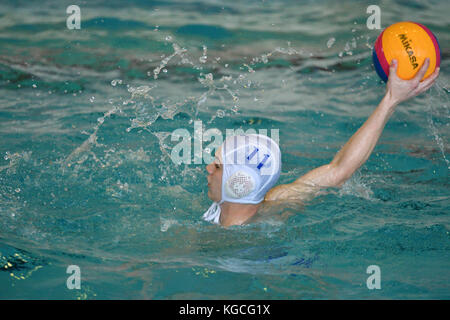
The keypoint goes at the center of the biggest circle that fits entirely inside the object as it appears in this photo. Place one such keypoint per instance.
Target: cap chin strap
(213, 213)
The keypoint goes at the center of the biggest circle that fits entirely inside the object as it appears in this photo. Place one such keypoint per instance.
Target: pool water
(86, 126)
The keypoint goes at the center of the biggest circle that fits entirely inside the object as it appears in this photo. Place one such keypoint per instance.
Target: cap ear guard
(239, 185)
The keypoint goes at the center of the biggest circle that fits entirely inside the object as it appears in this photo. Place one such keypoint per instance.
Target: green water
(86, 178)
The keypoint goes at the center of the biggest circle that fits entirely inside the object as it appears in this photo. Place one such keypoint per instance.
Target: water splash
(264, 58)
(433, 107)
(167, 223)
(177, 52)
(14, 159)
(356, 186)
(147, 107)
(85, 147)
(204, 56)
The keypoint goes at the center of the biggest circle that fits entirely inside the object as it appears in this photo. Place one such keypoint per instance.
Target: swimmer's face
(215, 170)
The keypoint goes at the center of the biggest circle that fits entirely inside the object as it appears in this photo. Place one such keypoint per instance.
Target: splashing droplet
(116, 82)
(330, 42)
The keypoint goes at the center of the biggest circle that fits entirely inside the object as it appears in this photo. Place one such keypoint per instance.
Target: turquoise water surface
(86, 177)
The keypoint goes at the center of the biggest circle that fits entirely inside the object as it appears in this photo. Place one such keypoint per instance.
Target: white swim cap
(251, 167)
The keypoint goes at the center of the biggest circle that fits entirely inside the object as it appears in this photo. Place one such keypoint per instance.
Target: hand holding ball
(410, 44)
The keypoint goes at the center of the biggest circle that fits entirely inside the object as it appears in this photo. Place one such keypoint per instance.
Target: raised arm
(358, 149)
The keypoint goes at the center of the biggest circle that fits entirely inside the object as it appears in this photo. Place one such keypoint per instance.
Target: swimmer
(246, 167)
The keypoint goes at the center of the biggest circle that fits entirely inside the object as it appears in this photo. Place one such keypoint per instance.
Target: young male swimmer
(246, 167)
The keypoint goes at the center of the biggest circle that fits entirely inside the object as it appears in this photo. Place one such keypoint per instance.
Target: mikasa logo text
(406, 44)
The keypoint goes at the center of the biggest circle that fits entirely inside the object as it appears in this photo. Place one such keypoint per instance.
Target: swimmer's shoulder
(292, 191)
(276, 210)
(279, 192)
(284, 200)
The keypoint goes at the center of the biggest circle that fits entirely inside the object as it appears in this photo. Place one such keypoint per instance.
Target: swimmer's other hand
(399, 90)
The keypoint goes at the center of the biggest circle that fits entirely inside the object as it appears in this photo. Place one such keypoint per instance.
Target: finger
(393, 68)
(430, 79)
(422, 70)
(435, 73)
(424, 89)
